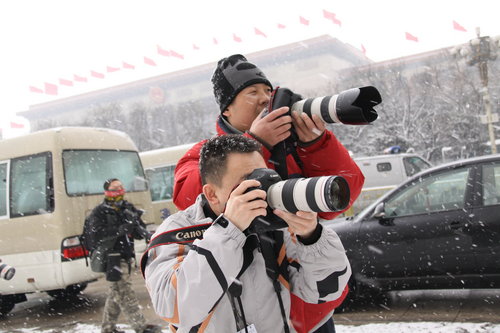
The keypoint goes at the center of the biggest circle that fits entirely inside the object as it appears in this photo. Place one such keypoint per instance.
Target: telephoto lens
(316, 194)
(7, 272)
(353, 106)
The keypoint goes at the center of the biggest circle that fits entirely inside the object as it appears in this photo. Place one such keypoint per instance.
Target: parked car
(439, 229)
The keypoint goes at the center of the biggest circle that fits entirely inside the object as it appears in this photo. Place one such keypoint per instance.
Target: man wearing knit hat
(243, 93)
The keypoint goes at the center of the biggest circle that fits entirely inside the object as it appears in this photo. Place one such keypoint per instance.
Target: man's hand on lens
(301, 223)
(273, 127)
(242, 208)
(307, 129)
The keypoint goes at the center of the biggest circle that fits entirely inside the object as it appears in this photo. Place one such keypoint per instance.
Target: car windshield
(414, 165)
(85, 170)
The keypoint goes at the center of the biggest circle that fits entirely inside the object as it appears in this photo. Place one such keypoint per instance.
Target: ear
(226, 113)
(210, 194)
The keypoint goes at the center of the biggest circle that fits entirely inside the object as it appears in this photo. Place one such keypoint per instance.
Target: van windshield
(86, 170)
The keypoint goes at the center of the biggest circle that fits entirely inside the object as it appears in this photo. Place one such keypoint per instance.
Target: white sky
(43, 41)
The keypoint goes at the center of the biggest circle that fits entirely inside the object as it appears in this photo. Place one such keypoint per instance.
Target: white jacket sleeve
(185, 281)
(321, 270)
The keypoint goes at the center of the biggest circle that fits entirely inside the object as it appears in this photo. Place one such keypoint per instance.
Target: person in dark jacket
(114, 225)
(243, 93)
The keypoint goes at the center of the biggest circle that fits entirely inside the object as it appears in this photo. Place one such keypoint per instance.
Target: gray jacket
(182, 279)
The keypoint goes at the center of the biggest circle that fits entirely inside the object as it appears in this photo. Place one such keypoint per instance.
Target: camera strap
(270, 245)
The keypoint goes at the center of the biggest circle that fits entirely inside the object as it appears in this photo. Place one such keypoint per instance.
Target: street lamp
(480, 53)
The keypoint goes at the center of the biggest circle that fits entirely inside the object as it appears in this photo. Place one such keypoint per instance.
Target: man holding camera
(206, 272)
(243, 93)
(113, 225)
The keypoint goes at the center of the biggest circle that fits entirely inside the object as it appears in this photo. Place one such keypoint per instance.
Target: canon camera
(316, 194)
(353, 106)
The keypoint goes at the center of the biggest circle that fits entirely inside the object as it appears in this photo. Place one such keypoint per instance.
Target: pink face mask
(114, 193)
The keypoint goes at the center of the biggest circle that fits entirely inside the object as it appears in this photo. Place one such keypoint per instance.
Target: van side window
(384, 167)
(414, 165)
(161, 182)
(3, 189)
(31, 185)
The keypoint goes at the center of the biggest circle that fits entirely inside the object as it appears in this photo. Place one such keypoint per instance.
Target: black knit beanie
(232, 75)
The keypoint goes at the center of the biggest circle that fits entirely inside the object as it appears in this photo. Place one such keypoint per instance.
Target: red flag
(162, 52)
(236, 38)
(281, 26)
(411, 37)
(50, 88)
(458, 27)
(110, 69)
(149, 61)
(36, 90)
(195, 47)
(363, 49)
(66, 82)
(215, 41)
(16, 125)
(79, 78)
(303, 21)
(258, 32)
(332, 17)
(127, 66)
(177, 55)
(97, 74)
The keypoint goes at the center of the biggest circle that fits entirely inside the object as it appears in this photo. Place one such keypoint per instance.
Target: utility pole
(480, 55)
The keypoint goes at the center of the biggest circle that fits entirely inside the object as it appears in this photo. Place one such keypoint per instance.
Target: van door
(3, 190)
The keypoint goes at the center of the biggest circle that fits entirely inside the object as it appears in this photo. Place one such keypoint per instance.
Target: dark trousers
(327, 327)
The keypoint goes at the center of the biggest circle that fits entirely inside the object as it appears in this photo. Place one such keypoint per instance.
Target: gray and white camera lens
(353, 106)
(6, 272)
(316, 194)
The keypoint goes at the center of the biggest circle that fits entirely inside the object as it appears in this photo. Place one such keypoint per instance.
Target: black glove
(129, 216)
(126, 228)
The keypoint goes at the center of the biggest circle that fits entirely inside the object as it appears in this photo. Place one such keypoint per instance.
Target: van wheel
(6, 305)
(70, 291)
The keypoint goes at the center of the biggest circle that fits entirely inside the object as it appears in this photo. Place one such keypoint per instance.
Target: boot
(152, 329)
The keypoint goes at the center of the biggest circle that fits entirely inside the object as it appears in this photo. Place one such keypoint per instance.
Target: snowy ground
(421, 327)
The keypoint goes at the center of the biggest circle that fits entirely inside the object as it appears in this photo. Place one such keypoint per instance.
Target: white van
(159, 165)
(383, 173)
(49, 182)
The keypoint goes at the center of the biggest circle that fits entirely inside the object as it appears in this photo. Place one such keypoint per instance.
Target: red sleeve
(187, 180)
(328, 157)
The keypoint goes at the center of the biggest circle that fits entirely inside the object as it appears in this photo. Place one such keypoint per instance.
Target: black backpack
(86, 239)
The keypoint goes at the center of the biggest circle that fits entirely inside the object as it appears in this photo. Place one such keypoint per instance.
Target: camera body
(6, 272)
(316, 194)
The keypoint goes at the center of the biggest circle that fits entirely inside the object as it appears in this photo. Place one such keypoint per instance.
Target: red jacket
(325, 157)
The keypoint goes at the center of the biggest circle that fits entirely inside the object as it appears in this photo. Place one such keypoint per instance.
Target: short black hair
(108, 182)
(215, 151)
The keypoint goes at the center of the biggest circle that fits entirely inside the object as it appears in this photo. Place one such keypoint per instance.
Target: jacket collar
(224, 127)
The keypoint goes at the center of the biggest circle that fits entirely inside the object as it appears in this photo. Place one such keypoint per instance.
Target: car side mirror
(379, 212)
